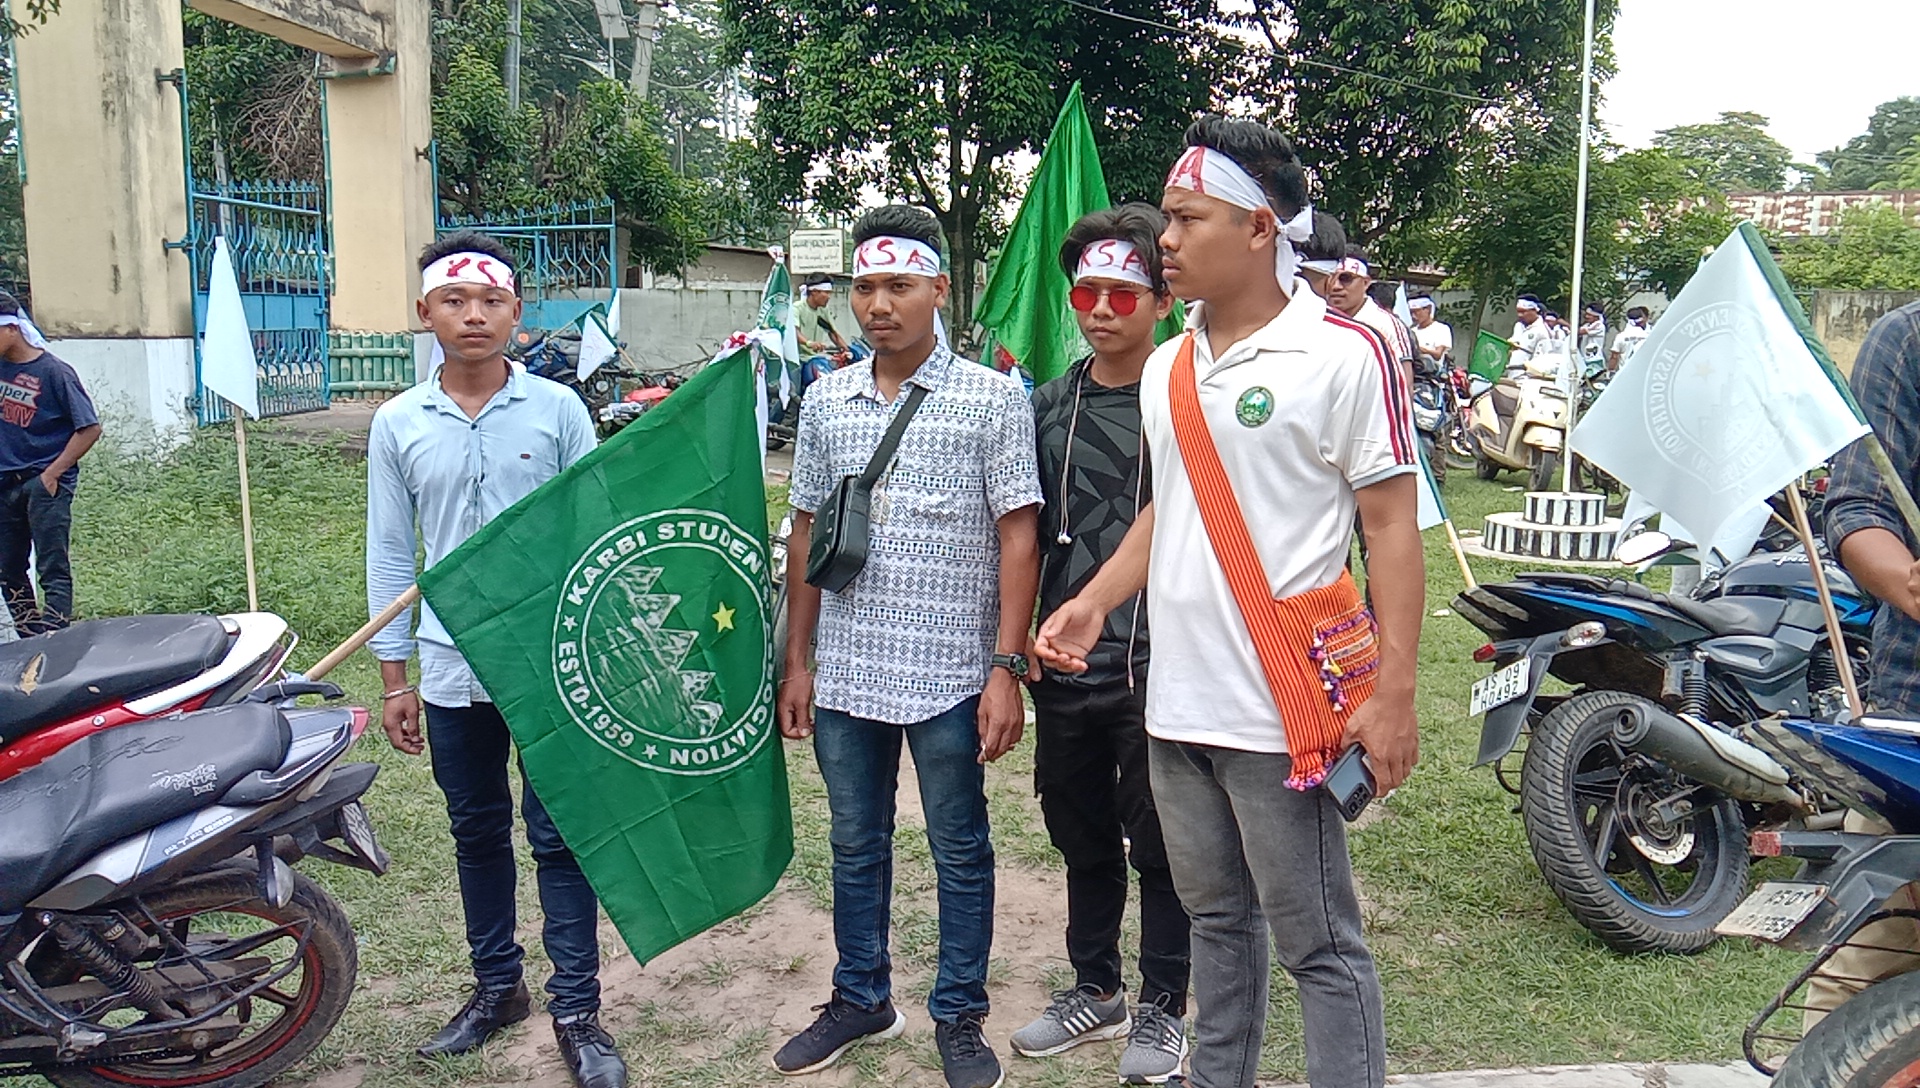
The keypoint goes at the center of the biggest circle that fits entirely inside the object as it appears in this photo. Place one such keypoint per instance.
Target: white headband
(890, 255)
(1356, 266)
(475, 268)
(1527, 304)
(31, 334)
(1113, 259)
(1210, 173)
(1421, 303)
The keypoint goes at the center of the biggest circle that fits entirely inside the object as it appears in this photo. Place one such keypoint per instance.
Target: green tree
(253, 104)
(1389, 103)
(608, 143)
(1874, 248)
(1873, 156)
(13, 213)
(1906, 169)
(926, 102)
(37, 12)
(1734, 153)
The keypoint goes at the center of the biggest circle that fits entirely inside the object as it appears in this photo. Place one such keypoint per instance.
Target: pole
(512, 73)
(1579, 243)
(1460, 554)
(246, 509)
(1836, 640)
(643, 30)
(365, 634)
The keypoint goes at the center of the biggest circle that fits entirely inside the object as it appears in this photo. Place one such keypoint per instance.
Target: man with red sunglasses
(1090, 755)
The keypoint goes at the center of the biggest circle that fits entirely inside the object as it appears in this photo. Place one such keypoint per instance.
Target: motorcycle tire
(1871, 1041)
(1461, 452)
(1541, 470)
(1571, 752)
(327, 972)
(1485, 469)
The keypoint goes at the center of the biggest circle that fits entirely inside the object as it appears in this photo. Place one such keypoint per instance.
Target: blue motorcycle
(1648, 854)
(783, 414)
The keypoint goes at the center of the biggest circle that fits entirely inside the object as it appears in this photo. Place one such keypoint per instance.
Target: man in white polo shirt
(1293, 413)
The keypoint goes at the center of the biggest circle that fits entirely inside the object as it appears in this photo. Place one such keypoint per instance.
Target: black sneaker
(965, 1056)
(840, 1027)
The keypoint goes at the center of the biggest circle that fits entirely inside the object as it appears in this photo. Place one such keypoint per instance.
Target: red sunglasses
(1124, 302)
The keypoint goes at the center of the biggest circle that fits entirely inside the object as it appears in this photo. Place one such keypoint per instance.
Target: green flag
(776, 313)
(1490, 355)
(619, 618)
(1025, 303)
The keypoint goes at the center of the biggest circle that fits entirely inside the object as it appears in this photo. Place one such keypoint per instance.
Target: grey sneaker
(1155, 1049)
(1076, 1016)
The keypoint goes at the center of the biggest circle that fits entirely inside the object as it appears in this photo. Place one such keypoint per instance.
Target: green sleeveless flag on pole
(1490, 355)
(618, 616)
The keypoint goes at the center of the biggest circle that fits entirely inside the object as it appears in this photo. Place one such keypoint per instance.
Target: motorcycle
(152, 930)
(555, 356)
(1436, 413)
(1519, 424)
(1843, 885)
(1644, 858)
(783, 415)
(98, 675)
(1591, 477)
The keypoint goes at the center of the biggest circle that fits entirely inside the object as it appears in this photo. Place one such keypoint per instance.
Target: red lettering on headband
(1189, 166)
(919, 260)
(1133, 261)
(884, 246)
(454, 268)
(482, 269)
(1103, 253)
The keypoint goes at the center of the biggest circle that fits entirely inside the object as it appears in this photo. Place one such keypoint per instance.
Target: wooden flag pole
(365, 634)
(1460, 554)
(1836, 640)
(246, 509)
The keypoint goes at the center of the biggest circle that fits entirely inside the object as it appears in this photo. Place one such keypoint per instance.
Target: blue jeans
(860, 761)
(469, 747)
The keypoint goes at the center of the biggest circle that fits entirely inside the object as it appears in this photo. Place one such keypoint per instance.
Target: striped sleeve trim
(1398, 398)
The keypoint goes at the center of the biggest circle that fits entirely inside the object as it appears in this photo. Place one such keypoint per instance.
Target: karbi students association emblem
(660, 647)
(1254, 407)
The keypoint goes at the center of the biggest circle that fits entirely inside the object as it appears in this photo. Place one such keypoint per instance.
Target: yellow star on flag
(723, 618)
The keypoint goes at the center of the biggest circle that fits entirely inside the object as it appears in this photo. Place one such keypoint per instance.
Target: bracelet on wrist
(398, 692)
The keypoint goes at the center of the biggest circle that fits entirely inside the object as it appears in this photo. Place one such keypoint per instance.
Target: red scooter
(60, 687)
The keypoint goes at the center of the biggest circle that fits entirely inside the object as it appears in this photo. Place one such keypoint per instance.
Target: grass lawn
(1482, 967)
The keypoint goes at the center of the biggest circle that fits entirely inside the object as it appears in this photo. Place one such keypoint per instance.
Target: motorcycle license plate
(1772, 911)
(358, 831)
(1500, 687)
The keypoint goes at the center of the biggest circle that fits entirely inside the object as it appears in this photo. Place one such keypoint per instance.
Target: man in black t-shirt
(47, 424)
(1090, 759)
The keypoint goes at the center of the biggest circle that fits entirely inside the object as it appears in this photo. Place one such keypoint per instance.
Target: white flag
(597, 347)
(1401, 309)
(227, 364)
(1429, 511)
(1728, 400)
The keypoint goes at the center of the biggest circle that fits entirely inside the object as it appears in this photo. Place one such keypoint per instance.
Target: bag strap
(883, 453)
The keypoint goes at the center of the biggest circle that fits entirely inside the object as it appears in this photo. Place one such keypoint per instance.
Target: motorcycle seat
(122, 781)
(1730, 616)
(52, 677)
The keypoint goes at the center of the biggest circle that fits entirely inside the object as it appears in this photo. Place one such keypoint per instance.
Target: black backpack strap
(891, 441)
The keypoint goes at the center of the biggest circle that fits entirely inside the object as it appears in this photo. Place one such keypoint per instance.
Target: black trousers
(32, 521)
(1090, 769)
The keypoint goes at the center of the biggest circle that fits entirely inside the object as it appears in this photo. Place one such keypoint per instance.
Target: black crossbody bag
(838, 552)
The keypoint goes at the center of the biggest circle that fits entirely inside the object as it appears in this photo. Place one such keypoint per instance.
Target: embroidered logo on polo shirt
(1255, 407)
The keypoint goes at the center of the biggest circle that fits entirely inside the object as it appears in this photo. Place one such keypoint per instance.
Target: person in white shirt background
(1433, 336)
(1593, 335)
(1628, 340)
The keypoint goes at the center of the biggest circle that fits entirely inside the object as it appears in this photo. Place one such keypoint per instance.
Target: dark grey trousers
(1248, 855)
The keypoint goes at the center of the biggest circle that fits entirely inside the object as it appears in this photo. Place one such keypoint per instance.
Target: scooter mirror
(1642, 547)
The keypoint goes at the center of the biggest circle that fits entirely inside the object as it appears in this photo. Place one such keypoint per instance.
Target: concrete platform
(1733, 1075)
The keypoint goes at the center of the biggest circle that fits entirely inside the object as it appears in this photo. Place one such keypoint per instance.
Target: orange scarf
(1318, 649)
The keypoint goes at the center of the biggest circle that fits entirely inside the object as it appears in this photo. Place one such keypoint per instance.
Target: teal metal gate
(278, 237)
(563, 249)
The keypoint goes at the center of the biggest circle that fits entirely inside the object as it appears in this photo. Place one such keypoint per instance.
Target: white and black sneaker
(1155, 1049)
(840, 1027)
(1076, 1016)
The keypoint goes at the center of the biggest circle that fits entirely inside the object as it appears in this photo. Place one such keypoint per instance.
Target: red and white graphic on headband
(1210, 173)
(1113, 259)
(475, 268)
(892, 256)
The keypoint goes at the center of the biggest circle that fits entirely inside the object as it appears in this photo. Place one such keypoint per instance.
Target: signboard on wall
(817, 251)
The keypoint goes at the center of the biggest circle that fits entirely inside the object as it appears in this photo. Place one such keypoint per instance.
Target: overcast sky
(1814, 68)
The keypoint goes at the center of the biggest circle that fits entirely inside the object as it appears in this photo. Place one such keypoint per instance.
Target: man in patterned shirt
(1090, 737)
(927, 645)
(1865, 530)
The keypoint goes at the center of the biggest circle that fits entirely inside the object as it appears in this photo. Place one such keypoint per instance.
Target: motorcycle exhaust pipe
(1724, 762)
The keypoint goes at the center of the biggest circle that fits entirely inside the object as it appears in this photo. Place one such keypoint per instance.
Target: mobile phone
(1351, 782)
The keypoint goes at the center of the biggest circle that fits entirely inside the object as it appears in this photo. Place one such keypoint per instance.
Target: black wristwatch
(1016, 664)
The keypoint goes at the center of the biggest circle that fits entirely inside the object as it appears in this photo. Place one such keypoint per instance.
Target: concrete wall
(139, 386)
(1841, 319)
(670, 327)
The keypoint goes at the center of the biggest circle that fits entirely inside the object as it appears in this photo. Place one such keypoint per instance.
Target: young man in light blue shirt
(451, 454)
